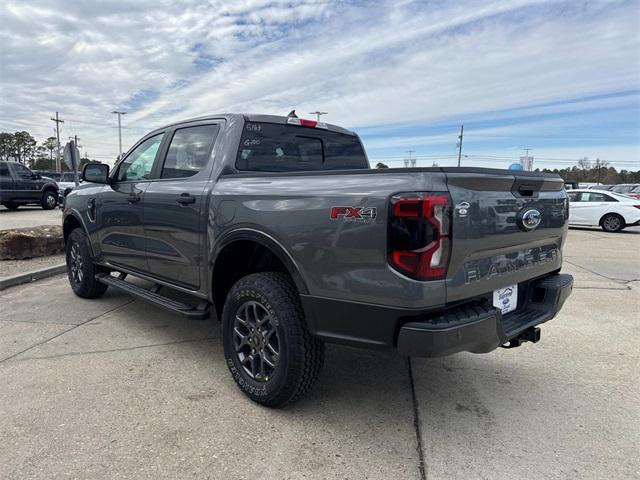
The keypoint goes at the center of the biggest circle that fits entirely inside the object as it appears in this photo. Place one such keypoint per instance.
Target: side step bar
(201, 312)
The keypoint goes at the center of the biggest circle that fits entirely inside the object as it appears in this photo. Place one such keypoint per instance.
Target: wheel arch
(72, 221)
(247, 251)
(49, 186)
(605, 214)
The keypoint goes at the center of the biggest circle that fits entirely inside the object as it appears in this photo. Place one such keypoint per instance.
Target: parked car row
(631, 189)
(610, 210)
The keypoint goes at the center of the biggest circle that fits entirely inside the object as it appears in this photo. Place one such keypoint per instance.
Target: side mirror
(36, 176)
(95, 173)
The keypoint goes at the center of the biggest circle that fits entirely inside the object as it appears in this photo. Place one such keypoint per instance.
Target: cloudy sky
(559, 77)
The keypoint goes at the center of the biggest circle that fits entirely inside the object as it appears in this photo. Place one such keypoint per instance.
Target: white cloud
(368, 64)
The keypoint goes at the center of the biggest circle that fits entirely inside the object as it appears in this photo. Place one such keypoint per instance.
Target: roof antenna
(292, 114)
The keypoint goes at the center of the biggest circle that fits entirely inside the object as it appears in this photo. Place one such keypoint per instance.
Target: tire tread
(306, 362)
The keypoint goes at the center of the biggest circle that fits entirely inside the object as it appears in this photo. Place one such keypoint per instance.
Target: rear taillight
(419, 235)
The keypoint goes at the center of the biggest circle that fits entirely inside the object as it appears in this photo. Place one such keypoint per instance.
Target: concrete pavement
(113, 388)
(29, 216)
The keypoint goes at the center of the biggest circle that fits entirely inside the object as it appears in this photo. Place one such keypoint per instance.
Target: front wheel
(612, 222)
(268, 349)
(80, 267)
(49, 200)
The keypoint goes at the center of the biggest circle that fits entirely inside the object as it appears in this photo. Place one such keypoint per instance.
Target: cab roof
(253, 117)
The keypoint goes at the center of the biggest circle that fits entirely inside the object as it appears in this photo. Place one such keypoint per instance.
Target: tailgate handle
(526, 188)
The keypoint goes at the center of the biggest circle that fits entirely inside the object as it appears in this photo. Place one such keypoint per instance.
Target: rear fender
(266, 241)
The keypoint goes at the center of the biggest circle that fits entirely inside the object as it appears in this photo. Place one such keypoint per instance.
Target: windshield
(269, 147)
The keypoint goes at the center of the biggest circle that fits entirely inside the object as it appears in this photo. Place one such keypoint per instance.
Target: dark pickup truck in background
(20, 186)
(277, 226)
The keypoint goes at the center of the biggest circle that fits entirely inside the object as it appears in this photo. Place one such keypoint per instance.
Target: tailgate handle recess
(526, 188)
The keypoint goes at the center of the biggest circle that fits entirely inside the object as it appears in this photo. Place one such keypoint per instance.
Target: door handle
(185, 199)
(133, 198)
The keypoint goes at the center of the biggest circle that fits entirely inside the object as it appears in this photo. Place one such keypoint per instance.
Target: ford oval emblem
(529, 219)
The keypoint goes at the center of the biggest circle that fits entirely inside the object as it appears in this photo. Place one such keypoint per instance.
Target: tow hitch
(531, 334)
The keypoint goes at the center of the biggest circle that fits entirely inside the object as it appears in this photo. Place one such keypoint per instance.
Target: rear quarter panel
(338, 259)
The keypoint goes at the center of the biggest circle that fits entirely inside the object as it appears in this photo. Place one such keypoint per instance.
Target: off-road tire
(49, 200)
(612, 222)
(83, 285)
(301, 355)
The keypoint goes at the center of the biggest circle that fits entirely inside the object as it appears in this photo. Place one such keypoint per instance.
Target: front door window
(138, 164)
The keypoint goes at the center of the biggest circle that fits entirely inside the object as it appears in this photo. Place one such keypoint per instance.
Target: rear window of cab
(270, 147)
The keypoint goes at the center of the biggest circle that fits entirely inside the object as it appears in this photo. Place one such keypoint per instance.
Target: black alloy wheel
(256, 341)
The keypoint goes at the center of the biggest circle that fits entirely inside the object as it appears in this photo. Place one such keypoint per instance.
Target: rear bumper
(482, 328)
(473, 327)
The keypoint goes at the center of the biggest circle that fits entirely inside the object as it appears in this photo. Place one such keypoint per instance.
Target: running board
(201, 312)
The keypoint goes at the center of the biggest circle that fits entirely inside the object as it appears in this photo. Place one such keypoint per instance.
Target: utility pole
(119, 132)
(598, 167)
(58, 122)
(318, 113)
(460, 144)
(528, 161)
(412, 161)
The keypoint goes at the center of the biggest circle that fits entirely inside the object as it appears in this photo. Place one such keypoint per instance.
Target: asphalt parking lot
(114, 388)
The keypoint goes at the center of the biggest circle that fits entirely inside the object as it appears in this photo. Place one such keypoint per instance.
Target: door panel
(26, 187)
(591, 207)
(174, 230)
(120, 208)
(119, 217)
(6, 183)
(175, 203)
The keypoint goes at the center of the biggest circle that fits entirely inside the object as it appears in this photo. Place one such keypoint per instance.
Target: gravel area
(9, 268)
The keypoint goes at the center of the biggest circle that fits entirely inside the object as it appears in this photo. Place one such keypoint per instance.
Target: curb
(29, 277)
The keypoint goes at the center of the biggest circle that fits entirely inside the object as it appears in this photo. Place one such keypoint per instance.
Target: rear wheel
(49, 200)
(269, 351)
(612, 222)
(80, 267)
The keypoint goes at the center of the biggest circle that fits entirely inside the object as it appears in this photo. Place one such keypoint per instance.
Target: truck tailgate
(507, 228)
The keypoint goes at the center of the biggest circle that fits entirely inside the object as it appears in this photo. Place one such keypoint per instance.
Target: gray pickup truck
(279, 227)
(19, 185)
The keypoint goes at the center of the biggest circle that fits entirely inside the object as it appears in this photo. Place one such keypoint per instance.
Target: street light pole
(318, 113)
(119, 132)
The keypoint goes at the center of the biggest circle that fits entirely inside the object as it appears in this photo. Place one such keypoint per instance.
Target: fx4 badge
(354, 214)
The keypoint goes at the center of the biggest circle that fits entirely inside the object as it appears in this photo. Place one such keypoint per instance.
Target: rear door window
(269, 147)
(189, 151)
(596, 197)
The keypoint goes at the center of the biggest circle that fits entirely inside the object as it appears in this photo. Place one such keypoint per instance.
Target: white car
(611, 211)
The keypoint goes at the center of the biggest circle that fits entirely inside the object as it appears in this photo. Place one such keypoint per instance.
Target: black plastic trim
(474, 326)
